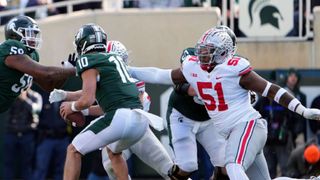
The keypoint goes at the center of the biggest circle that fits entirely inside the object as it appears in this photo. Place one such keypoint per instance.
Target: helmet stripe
(97, 33)
(109, 46)
(205, 35)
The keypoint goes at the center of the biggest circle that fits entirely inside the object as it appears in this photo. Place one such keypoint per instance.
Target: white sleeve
(151, 75)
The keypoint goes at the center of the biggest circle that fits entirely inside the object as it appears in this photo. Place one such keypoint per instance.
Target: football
(76, 119)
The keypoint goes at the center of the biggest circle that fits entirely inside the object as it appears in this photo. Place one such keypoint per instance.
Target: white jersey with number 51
(226, 101)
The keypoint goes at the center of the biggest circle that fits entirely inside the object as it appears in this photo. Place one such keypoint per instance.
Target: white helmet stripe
(97, 33)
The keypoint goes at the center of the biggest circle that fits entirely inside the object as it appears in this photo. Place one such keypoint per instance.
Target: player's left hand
(71, 62)
(312, 113)
(65, 109)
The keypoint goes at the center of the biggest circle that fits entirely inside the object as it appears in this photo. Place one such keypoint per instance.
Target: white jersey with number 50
(226, 101)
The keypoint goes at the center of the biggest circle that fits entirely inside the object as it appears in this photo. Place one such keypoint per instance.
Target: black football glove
(253, 97)
(71, 62)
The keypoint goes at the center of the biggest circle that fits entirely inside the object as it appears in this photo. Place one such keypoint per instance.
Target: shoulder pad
(239, 65)
(185, 53)
(13, 47)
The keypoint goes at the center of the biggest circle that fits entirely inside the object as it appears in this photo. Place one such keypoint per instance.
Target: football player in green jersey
(155, 155)
(19, 62)
(106, 80)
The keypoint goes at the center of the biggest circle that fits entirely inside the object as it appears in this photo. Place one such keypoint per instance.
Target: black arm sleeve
(182, 88)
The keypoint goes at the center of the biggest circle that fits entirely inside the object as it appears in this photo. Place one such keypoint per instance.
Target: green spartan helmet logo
(267, 14)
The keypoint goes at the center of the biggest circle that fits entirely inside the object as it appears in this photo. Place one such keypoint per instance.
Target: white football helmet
(215, 47)
(118, 48)
(230, 33)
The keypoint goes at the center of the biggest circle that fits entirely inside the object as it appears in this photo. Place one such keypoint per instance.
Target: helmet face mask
(32, 37)
(90, 37)
(25, 30)
(205, 55)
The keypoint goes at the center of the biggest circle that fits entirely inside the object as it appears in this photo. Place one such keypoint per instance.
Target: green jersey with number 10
(115, 87)
(12, 81)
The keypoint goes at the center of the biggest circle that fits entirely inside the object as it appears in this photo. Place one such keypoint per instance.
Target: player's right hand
(57, 95)
(312, 113)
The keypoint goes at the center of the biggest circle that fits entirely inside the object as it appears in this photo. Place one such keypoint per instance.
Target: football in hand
(76, 119)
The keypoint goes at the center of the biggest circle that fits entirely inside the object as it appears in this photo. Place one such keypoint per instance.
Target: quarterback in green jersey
(105, 80)
(19, 62)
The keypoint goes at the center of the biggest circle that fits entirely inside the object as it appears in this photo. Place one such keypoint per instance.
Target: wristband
(293, 104)
(300, 109)
(266, 89)
(73, 108)
(278, 95)
(85, 112)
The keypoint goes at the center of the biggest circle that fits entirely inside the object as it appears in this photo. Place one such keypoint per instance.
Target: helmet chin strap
(83, 50)
(208, 67)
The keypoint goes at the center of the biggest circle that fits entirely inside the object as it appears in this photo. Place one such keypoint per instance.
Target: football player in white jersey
(222, 81)
(155, 155)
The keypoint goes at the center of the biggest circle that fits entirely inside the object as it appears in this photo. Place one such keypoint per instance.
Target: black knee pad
(218, 174)
(174, 174)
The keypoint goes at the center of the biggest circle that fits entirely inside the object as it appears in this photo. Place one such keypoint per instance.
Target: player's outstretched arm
(156, 75)
(252, 81)
(88, 96)
(48, 77)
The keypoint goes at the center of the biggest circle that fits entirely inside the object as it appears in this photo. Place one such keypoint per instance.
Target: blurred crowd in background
(146, 4)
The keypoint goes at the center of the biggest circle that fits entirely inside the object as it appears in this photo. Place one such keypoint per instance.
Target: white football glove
(311, 113)
(57, 95)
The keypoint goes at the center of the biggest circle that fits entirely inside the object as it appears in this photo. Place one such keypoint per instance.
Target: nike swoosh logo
(218, 77)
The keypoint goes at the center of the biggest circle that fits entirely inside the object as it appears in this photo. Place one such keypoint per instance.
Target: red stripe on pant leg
(245, 141)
